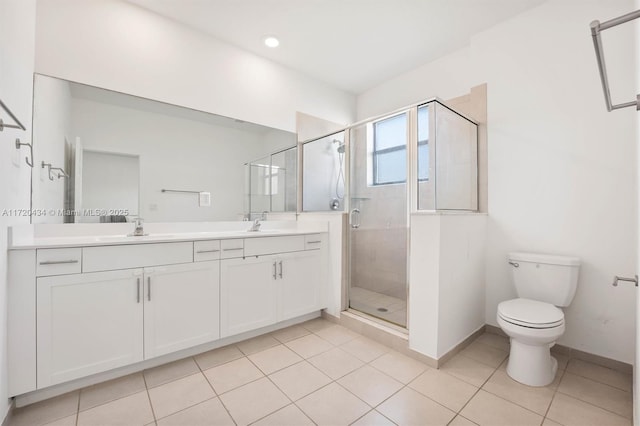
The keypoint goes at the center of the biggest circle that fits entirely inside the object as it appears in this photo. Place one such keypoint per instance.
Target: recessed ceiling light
(271, 41)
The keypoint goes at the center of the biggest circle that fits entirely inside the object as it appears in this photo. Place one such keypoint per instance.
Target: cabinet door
(299, 279)
(248, 294)
(181, 307)
(88, 323)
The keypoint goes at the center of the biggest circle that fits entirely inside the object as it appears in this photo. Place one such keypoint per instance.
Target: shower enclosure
(417, 160)
(420, 159)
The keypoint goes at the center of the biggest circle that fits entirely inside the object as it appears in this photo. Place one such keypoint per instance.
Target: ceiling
(353, 45)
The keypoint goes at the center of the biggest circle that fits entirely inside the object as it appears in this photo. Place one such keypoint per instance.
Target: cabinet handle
(280, 274)
(149, 289)
(274, 271)
(207, 251)
(58, 262)
(314, 242)
(233, 249)
(138, 283)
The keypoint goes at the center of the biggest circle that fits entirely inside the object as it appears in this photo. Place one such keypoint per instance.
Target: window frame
(375, 153)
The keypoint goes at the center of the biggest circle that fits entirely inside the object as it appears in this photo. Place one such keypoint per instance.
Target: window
(390, 150)
(389, 154)
(271, 180)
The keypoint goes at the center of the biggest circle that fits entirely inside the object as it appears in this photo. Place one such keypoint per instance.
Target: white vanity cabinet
(181, 307)
(299, 285)
(248, 294)
(87, 323)
(79, 311)
(280, 278)
(93, 322)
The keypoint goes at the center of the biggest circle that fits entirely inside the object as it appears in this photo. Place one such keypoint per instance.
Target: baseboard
(572, 353)
(460, 346)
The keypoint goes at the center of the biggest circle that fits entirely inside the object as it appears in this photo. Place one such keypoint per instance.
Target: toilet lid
(530, 313)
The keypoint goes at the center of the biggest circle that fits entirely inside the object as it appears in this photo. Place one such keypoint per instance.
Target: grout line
(186, 408)
(153, 412)
(594, 405)
(555, 391)
(478, 388)
(598, 381)
(78, 409)
(219, 399)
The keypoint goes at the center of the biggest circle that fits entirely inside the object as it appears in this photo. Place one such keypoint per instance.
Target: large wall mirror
(103, 156)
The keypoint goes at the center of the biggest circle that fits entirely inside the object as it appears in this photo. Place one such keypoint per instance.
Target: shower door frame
(410, 200)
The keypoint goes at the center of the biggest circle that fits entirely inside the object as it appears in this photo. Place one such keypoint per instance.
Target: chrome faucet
(263, 216)
(139, 230)
(256, 226)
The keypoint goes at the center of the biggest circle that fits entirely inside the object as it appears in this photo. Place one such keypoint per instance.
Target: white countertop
(80, 235)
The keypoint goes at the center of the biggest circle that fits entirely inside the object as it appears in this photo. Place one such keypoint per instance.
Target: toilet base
(531, 365)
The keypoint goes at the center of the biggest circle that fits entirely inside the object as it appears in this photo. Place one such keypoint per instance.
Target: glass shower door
(378, 221)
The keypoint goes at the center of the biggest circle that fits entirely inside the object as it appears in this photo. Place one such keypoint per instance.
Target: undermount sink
(108, 238)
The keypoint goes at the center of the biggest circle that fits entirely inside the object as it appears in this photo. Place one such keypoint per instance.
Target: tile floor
(321, 373)
(370, 302)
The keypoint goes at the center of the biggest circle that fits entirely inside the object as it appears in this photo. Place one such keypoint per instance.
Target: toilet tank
(546, 278)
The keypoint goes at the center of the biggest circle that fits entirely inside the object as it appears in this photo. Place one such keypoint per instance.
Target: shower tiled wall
(379, 245)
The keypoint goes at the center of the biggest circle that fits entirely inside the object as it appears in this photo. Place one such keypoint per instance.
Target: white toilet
(533, 321)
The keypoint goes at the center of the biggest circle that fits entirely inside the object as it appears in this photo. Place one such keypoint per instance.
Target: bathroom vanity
(85, 304)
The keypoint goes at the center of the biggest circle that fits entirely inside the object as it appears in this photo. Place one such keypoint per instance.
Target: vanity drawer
(107, 258)
(58, 261)
(206, 250)
(268, 245)
(231, 248)
(313, 241)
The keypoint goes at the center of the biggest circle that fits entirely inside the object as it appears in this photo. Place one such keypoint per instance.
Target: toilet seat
(530, 313)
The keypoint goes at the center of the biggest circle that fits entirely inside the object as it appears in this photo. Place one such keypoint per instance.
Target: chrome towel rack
(184, 192)
(61, 172)
(596, 28)
(17, 125)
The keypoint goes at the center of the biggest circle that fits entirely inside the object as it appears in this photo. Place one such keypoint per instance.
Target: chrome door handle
(355, 212)
(138, 284)
(149, 289)
(280, 274)
(274, 271)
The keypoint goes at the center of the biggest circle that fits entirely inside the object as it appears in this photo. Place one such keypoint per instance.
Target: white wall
(446, 298)
(52, 113)
(462, 260)
(128, 49)
(561, 168)
(175, 153)
(17, 38)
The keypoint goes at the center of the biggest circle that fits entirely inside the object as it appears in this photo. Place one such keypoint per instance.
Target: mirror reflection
(120, 152)
(272, 183)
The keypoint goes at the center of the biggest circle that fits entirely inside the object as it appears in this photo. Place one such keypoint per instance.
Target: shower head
(340, 146)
